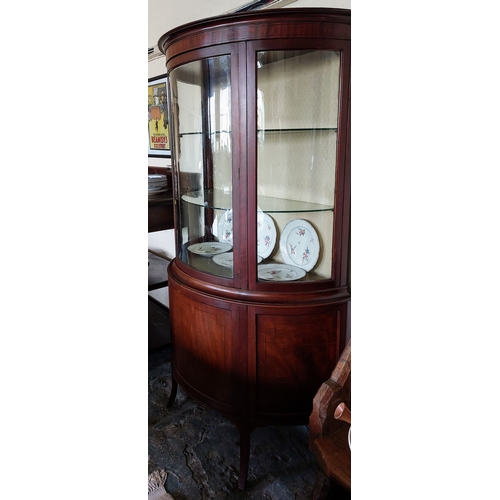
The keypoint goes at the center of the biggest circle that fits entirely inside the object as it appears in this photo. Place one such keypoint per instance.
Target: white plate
(156, 191)
(200, 201)
(266, 235)
(279, 272)
(299, 244)
(225, 227)
(224, 259)
(209, 248)
(157, 181)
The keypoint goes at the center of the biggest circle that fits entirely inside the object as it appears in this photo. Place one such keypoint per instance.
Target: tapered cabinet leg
(173, 393)
(244, 454)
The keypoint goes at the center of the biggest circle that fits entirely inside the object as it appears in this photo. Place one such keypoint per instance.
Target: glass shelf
(207, 134)
(207, 265)
(267, 131)
(279, 205)
(216, 199)
(294, 130)
(222, 200)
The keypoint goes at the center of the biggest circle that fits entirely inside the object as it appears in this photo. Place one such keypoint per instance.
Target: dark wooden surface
(271, 24)
(161, 206)
(160, 212)
(328, 436)
(334, 455)
(262, 361)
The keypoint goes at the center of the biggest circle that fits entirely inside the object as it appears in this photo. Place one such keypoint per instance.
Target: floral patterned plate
(279, 272)
(209, 248)
(299, 244)
(266, 235)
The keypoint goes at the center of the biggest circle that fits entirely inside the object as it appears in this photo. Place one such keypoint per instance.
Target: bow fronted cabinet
(259, 108)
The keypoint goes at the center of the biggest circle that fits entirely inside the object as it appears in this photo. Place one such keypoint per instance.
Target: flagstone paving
(198, 448)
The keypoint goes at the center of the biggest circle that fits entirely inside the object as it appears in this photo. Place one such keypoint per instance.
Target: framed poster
(158, 140)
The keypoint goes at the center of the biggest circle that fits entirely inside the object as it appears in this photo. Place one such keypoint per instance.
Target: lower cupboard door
(295, 352)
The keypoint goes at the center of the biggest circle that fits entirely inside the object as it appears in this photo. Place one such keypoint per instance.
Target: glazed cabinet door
(294, 161)
(201, 94)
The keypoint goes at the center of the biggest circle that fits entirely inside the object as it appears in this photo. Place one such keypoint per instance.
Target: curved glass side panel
(201, 114)
(297, 114)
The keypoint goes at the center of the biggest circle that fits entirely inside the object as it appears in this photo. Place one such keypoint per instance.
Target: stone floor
(198, 448)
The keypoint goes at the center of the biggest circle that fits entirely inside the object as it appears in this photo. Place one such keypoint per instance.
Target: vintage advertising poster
(158, 118)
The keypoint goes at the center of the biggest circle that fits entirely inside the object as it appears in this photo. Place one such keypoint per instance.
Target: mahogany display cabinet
(259, 109)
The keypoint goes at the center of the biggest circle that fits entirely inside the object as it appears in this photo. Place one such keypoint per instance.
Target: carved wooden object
(329, 424)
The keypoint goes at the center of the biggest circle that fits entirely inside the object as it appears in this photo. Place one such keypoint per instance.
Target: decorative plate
(154, 192)
(225, 227)
(156, 177)
(209, 248)
(224, 259)
(279, 272)
(299, 244)
(157, 181)
(266, 235)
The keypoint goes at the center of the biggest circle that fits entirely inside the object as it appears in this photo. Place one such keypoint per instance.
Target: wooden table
(158, 313)
(160, 212)
(161, 206)
(160, 218)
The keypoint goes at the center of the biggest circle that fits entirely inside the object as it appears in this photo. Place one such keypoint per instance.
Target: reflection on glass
(201, 107)
(297, 110)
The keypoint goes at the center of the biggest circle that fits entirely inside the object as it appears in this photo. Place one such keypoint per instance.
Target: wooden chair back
(329, 424)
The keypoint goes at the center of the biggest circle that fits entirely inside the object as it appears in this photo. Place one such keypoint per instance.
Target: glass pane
(297, 110)
(201, 107)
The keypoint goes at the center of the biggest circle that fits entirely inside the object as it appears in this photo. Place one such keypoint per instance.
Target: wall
(161, 18)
